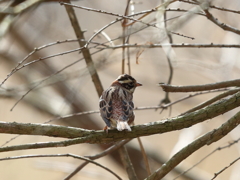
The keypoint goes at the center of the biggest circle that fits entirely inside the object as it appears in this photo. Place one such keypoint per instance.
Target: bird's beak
(139, 84)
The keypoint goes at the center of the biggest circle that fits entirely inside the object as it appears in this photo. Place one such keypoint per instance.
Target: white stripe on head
(125, 81)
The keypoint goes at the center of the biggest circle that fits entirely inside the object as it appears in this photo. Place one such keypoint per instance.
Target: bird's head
(127, 82)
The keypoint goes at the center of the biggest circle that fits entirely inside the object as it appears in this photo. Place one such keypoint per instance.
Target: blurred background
(61, 84)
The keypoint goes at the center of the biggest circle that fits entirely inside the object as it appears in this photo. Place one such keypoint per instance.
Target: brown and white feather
(116, 106)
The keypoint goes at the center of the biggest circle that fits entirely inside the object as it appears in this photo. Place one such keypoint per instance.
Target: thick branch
(42, 129)
(206, 139)
(87, 136)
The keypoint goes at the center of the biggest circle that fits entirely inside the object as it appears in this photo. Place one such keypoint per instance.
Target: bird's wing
(127, 109)
(105, 109)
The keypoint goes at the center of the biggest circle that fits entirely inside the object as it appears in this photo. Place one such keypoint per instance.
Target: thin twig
(97, 156)
(20, 64)
(61, 155)
(18, 67)
(39, 83)
(125, 16)
(224, 26)
(213, 6)
(222, 170)
(212, 100)
(182, 45)
(176, 45)
(214, 151)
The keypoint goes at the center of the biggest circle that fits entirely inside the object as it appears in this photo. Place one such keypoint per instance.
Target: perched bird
(116, 106)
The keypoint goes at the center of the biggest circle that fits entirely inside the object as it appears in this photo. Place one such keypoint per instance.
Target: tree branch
(220, 24)
(212, 100)
(204, 87)
(88, 136)
(206, 139)
(127, 163)
(61, 155)
(85, 51)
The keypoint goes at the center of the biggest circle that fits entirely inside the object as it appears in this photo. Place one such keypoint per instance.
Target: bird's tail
(121, 125)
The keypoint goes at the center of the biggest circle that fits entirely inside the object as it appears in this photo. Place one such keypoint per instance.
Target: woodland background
(54, 81)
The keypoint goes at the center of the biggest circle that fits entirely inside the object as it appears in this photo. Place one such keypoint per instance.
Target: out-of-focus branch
(168, 52)
(205, 87)
(85, 51)
(97, 156)
(182, 45)
(212, 6)
(61, 155)
(207, 156)
(206, 139)
(21, 7)
(17, 68)
(210, 101)
(125, 16)
(127, 163)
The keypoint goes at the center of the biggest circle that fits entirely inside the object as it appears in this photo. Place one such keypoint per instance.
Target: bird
(116, 105)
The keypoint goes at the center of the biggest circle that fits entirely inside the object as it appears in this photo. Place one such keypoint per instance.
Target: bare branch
(222, 170)
(206, 139)
(18, 67)
(212, 100)
(85, 50)
(102, 154)
(127, 163)
(220, 24)
(20, 8)
(213, 7)
(211, 153)
(176, 45)
(145, 158)
(108, 13)
(205, 87)
(88, 136)
(39, 83)
(61, 155)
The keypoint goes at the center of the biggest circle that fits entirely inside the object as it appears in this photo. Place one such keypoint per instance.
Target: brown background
(49, 22)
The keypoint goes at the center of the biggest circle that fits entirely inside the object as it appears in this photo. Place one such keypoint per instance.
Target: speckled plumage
(116, 106)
